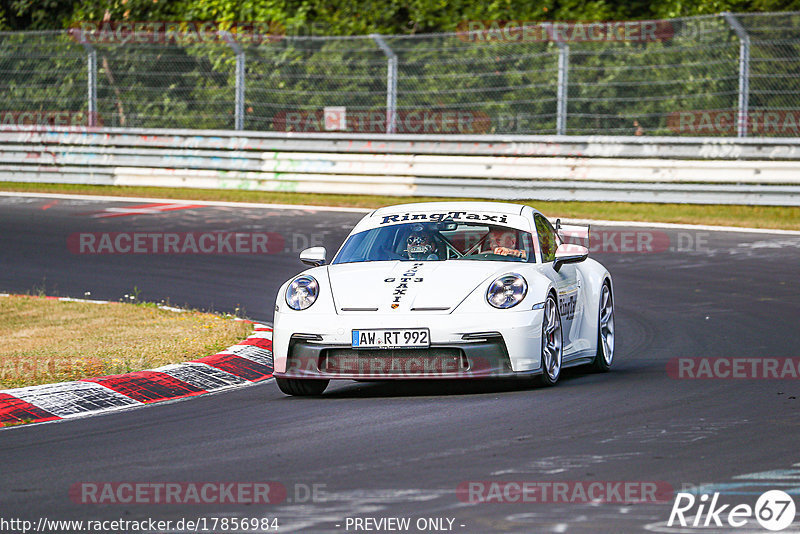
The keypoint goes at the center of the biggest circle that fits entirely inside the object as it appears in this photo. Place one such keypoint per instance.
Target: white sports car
(445, 290)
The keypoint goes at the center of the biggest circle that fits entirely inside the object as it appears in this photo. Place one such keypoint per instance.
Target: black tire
(302, 387)
(552, 342)
(605, 331)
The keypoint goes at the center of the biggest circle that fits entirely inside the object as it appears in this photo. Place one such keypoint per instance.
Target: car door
(566, 279)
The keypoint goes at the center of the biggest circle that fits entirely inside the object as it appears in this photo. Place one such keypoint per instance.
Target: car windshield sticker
(505, 251)
(438, 217)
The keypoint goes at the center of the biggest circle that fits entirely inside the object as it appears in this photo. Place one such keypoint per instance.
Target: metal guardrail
(683, 170)
(771, 148)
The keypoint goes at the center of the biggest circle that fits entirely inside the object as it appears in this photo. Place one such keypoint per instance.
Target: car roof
(494, 207)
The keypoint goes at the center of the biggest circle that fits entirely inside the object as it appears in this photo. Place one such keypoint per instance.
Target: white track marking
(84, 399)
(640, 224)
(251, 352)
(261, 335)
(186, 201)
(201, 375)
(598, 222)
(70, 399)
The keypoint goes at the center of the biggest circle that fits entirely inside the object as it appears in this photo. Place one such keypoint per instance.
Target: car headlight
(302, 292)
(507, 291)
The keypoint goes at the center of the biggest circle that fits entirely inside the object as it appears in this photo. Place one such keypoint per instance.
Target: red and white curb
(243, 364)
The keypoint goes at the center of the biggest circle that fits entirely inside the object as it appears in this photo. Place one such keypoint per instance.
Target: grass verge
(47, 340)
(776, 217)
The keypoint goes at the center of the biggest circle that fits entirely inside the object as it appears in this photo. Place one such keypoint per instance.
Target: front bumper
(465, 346)
(479, 359)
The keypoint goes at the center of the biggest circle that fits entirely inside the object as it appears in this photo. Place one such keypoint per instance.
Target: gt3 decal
(401, 288)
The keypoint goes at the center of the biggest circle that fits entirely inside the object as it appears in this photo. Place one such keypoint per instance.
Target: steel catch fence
(718, 75)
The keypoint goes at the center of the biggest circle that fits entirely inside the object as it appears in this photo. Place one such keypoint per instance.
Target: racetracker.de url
(117, 526)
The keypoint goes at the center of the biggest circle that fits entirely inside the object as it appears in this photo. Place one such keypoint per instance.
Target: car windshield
(438, 241)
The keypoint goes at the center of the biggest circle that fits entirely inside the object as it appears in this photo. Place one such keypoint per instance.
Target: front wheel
(605, 332)
(304, 387)
(551, 343)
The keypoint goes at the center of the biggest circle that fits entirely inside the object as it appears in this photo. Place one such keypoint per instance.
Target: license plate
(391, 338)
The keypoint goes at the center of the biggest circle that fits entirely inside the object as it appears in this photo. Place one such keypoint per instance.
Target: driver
(503, 243)
(421, 245)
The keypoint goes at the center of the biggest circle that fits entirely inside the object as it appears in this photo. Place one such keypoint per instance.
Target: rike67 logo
(774, 510)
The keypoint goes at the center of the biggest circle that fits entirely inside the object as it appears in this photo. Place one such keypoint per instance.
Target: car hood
(430, 286)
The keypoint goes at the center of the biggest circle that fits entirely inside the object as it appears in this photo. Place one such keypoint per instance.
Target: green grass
(46, 340)
(787, 218)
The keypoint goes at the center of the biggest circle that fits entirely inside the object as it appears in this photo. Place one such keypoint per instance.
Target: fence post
(91, 66)
(563, 84)
(240, 90)
(744, 73)
(391, 83)
(240, 80)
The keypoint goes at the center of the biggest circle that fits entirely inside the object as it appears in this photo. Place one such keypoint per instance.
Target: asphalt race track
(381, 450)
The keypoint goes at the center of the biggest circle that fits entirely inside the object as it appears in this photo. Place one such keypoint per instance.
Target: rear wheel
(551, 343)
(605, 331)
(304, 387)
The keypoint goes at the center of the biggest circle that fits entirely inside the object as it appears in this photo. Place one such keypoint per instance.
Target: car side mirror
(569, 253)
(314, 256)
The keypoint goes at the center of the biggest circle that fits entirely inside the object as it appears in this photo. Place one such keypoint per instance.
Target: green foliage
(345, 17)
(36, 14)
(130, 10)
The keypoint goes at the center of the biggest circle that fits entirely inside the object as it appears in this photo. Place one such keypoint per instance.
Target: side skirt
(577, 358)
